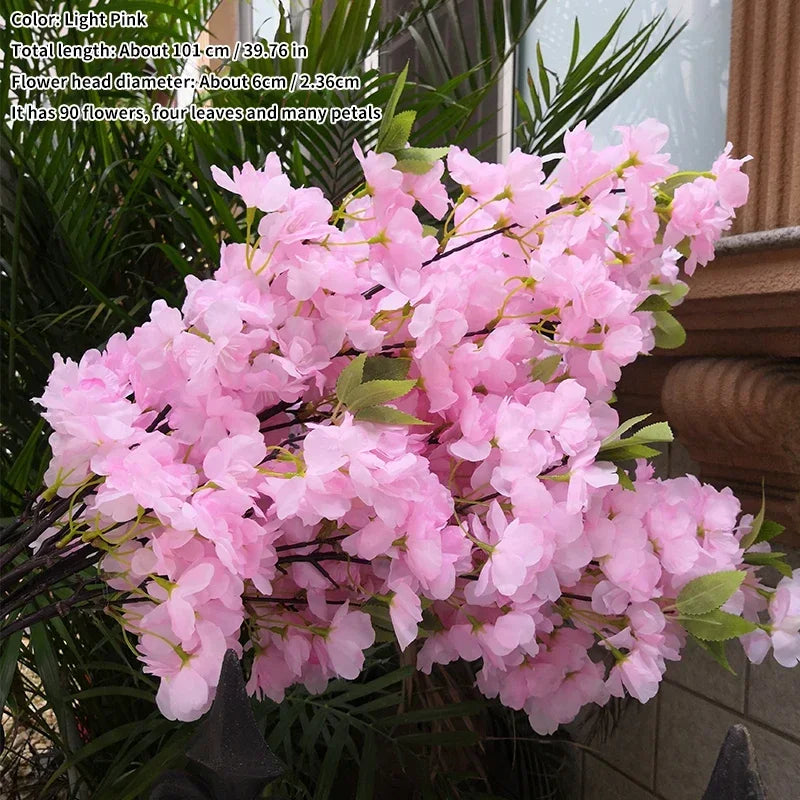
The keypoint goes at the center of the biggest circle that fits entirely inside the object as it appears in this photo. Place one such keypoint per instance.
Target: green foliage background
(97, 220)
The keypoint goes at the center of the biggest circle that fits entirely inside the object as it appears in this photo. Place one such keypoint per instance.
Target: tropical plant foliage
(98, 220)
(591, 82)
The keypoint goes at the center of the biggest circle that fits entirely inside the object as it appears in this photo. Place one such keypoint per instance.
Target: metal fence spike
(228, 753)
(735, 775)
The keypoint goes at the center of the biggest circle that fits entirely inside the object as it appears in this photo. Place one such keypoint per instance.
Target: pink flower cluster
(364, 421)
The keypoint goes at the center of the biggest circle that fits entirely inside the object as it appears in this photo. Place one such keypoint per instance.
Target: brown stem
(57, 609)
(312, 557)
(576, 597)
(375, 289)
(290, 440)
(38, 525)
(67, 566)
(330, 540)
(273, 411)
(294, 601)
(289, 423)
(466, 503)
(160, 417)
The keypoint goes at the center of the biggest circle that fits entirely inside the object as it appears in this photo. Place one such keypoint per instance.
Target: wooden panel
(764, 109)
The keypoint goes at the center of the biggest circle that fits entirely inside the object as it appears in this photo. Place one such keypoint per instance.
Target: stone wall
(666, 749)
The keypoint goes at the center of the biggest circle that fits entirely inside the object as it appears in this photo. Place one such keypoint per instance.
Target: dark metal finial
(735, 775)
(229, 758)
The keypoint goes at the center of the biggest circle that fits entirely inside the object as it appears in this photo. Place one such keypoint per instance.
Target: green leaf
(769, 530)
(112, 737)
(413, 166)
(8, 664)
(430, 154)
(627, 452)
(544, 78)
(625, 480)
(657, 432)
(385, 368)
(615, 449)
(350, 379)
(398, 131)
(367, 767)
(717, 652)
(388, 112)
(623, 428)
(708, 592)
(388, 416)
(440, 739)
(576, 43)
(19, 477)
(675, 294)
(775, 560)
(669, 333)
(716, 626)
(418, 160)
(330, 764)
(544, 368)
(758, 521)
(655, 302)
(376, 393)
(669, 186)
(467, 708)
(357, 690)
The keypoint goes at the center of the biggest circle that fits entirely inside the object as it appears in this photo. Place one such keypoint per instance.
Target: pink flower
(529, 199)
(350, 633)
(304, 215)
(258, 497)
(513, 548)
(784, 614)
(642, 143)
(405, 611)
(585, 475)
(638, 670)
(379, 172)
(265, 189)
(732, 184)
(179, 597)
(234, 460)
(188, 676)
(427, 189)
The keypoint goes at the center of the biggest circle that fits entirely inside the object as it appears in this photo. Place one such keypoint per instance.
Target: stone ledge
(745, 303)
(739, 418)
(775, 239)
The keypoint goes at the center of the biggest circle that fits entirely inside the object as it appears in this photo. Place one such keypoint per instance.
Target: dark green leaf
(655, 302)
(718, 653)
(758, 521)
(775, 560)
(385, 368)
(769, 530)
(350, 379)
(669, 333)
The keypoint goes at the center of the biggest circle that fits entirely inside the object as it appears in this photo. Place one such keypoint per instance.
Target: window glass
(687, 88)
(265, 18)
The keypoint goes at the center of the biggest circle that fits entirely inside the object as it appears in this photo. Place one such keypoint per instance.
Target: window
(687, 88)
